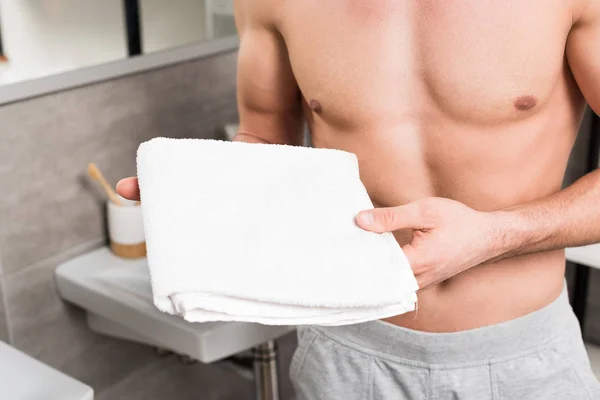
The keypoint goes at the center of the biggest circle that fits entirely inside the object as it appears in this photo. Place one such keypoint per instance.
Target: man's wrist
(515, 232)
(519, 232)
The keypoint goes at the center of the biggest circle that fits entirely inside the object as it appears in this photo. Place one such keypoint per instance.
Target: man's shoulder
(585, 11)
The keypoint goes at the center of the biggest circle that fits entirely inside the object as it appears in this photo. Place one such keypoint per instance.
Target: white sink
(24, 378)
(116, 294)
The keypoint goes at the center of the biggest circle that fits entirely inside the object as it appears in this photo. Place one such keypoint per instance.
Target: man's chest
(468, 58)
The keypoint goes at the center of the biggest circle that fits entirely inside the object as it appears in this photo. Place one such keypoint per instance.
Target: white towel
(265, 233)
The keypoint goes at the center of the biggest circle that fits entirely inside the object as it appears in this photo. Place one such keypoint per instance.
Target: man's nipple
(524, 103)
(315, 105)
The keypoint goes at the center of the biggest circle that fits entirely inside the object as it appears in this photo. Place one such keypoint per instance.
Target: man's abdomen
(488, 294)
(486, 169)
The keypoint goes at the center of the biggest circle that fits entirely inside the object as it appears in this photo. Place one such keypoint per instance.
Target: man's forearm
(567, 218)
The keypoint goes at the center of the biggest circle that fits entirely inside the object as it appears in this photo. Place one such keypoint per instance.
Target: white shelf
(118, 298)
(586, 255)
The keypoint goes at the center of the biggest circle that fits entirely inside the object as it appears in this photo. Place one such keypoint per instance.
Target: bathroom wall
(50, 212)
(577, 168)
(592, 328)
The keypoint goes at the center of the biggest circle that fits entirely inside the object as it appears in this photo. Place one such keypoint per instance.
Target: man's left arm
(570, 217)
(449, 237)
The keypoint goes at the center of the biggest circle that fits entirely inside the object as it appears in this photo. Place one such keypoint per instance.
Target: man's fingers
(415, 259)
(129, 188)
(391, 219)
(411, 254)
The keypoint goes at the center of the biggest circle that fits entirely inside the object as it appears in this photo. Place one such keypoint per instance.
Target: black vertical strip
(2, 55)
(582, 277)
(582, 272)
(132, 26)
(594, 150)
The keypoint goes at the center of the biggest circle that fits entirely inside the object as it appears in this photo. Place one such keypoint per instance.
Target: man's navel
(524, 103)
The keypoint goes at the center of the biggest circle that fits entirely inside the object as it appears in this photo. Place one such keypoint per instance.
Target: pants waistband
(486, 343)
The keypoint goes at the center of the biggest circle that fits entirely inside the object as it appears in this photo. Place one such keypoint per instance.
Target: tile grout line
(59, 257)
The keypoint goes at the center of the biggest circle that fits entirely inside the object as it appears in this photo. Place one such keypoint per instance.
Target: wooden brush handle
(95, 174)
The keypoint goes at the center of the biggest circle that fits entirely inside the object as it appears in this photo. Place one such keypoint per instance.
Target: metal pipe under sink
(264, 364)
(266, 377)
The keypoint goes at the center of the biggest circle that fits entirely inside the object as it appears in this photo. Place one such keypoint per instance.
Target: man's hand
(129, 188)
(448, 236)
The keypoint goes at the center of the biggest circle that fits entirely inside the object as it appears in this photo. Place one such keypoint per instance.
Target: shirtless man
(462, 115)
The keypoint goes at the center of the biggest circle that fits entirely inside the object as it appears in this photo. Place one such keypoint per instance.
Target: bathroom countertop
(117, 295)
(24, 377)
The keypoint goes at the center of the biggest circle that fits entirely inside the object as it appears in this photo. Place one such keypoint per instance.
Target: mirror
(43, 38)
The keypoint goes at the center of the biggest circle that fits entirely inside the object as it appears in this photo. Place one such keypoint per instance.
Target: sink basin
(133, 281)
(117, 296)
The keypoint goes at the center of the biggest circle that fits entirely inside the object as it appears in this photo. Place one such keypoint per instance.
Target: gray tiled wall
(169, 379)
(49, 212)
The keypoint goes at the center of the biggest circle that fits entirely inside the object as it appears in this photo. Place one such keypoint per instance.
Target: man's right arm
(267, 93)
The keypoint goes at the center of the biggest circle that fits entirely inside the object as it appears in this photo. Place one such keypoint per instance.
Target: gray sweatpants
(540, 356)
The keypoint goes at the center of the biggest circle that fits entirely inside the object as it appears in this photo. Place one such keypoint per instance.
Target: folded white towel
(265, 233)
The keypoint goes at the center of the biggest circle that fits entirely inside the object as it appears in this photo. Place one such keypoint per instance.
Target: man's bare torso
(470, 100)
